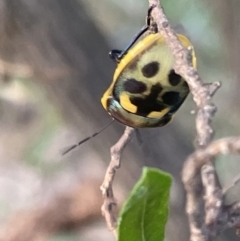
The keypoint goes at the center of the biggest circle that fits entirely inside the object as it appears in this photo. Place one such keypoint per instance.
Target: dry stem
(206, 213)
(107, 191)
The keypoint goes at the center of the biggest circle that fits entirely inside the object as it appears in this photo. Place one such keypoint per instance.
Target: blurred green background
(54, 68)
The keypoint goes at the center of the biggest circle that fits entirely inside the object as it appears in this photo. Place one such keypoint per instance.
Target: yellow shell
(146, 91)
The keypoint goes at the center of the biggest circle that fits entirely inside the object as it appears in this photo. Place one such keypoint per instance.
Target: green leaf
(144, 214)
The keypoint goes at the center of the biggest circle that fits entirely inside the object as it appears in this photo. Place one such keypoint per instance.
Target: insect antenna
(86, 139)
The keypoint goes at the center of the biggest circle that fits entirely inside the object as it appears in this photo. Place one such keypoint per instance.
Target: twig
(213, 195)
(202, 226)
(231, 185)
(106, 188)
(201, 157)
(206, 109)
(233, 217)
(193, 165)
(183, 66)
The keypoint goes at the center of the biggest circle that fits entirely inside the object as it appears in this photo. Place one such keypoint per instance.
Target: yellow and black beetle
(146, 91)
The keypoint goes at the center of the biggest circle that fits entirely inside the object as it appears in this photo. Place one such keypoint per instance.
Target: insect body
(146, 91)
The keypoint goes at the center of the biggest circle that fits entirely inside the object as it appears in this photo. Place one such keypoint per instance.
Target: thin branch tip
(109, 202)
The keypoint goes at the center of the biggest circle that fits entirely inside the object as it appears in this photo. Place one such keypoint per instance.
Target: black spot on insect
(171, 98)
(150, 69)
(185, 84)
(133, 86)
(164, 120)
(174, 79)
(145, 105)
